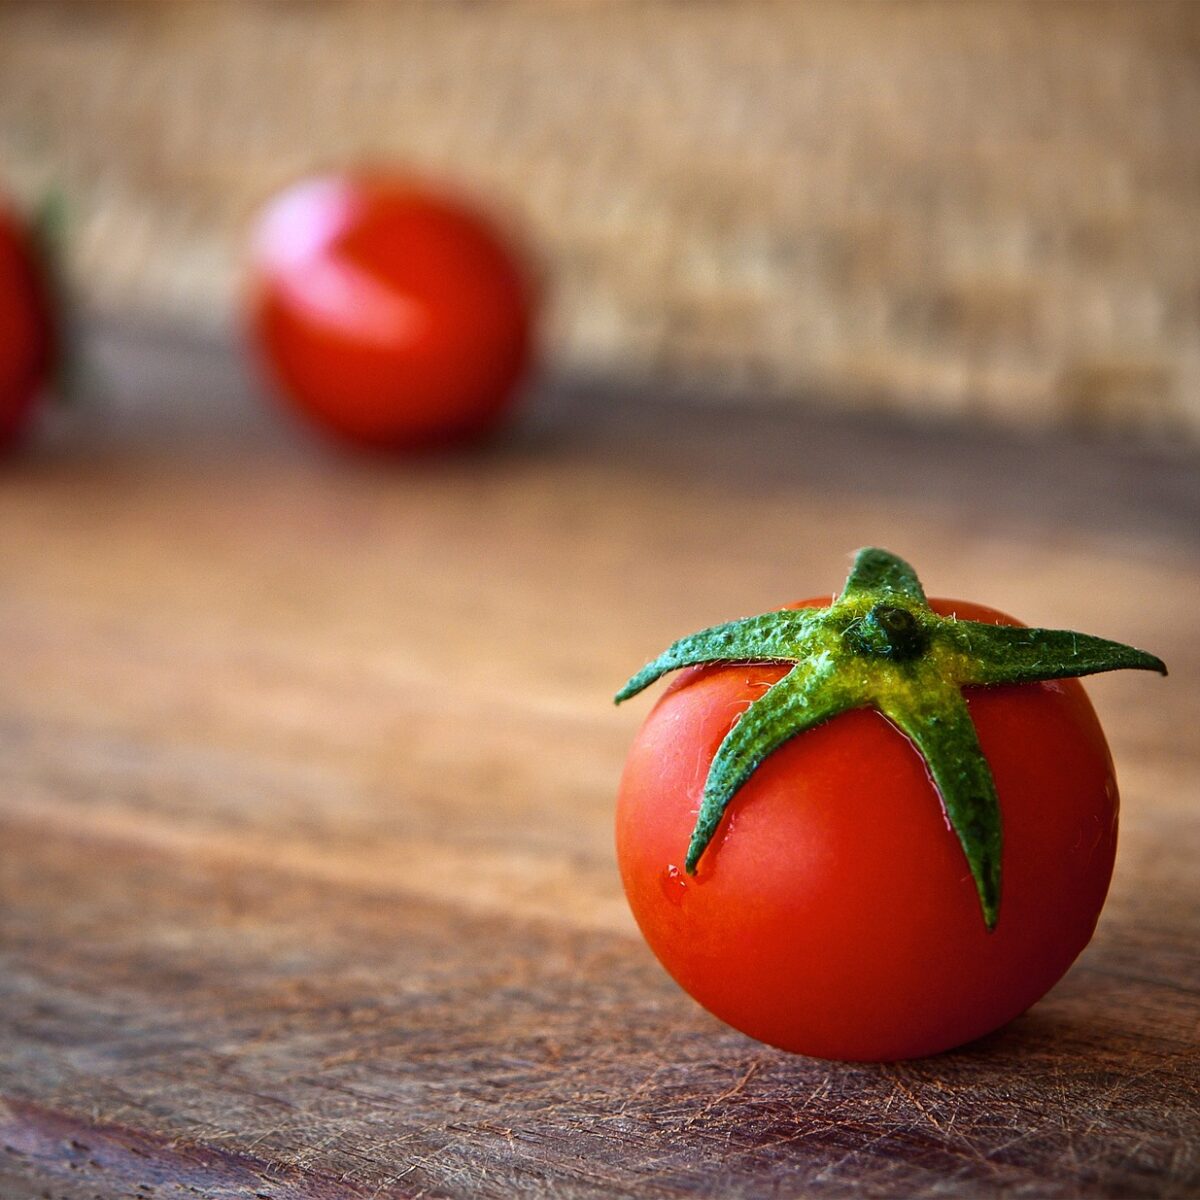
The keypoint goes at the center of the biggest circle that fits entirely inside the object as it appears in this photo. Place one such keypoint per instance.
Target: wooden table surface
(306, 781)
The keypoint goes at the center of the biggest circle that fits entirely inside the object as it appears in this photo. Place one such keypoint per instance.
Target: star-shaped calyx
(880, 645)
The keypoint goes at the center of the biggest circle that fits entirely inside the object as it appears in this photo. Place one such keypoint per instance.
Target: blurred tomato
(840, 919)
(389, 315)
(27, 336)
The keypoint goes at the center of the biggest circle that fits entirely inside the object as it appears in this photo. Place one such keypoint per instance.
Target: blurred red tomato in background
(388, 313)
(27, 329)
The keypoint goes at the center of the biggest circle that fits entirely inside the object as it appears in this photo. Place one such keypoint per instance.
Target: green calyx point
(880, 645)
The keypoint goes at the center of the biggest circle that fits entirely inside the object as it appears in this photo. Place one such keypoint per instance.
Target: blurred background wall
(979, 209)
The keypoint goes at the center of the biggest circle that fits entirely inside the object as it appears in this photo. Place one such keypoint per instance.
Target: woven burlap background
(980, 208)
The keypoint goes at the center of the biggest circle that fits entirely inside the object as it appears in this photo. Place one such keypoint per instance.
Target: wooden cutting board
(306, 779)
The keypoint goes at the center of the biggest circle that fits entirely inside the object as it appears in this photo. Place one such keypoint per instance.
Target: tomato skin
(27, 338)
(834, 914)
(390, 315)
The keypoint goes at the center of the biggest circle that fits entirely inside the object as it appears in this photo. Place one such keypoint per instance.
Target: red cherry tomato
(389, 315)
(834, 913)
(27, 338)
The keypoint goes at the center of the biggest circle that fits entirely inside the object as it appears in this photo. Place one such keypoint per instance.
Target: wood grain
(306, 777)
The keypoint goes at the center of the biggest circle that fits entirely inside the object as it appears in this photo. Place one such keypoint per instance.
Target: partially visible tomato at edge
(27, 337)
(389, 314)
(834, 914)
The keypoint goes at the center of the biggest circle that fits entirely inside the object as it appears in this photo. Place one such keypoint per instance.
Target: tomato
(833, 913)
(389, 314)
(27, 344)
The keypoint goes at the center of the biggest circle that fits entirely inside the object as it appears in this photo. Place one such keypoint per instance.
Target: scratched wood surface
(306, 775)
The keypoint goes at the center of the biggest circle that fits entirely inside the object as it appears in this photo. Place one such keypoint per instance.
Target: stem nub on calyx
(887, 631)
